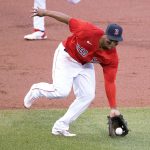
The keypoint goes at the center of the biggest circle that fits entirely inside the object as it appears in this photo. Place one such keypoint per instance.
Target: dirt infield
(23, 63)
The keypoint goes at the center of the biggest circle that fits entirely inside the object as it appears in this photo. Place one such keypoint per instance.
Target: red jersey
(83, 46)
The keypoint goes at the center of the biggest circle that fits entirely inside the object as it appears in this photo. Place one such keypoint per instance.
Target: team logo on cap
(116, 32)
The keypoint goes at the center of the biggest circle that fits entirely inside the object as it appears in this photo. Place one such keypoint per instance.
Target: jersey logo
(88, 42)
(82, 51)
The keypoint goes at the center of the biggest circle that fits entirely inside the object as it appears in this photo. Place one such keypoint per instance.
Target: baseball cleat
(37, 35)
(28, 100)
(63, 133)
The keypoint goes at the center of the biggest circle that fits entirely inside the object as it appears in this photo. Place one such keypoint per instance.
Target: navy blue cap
(114, 32)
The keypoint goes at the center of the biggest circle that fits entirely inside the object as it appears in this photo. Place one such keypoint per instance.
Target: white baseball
(74, 1)
(119, 131)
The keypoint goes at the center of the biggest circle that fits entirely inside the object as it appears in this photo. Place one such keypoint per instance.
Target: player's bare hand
(114, 112)
(38, 12)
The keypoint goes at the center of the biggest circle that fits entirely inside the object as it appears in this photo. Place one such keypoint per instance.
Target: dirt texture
(23, 63)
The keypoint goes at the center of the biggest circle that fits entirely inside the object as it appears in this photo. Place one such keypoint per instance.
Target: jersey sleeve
(110, 85)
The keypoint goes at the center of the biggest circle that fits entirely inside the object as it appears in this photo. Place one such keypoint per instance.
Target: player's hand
(114, 112)
(38, 12)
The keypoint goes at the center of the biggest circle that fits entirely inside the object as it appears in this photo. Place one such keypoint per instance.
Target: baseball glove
(117, 122)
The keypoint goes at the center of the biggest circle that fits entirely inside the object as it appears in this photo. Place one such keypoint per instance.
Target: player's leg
(84, 89)
(38, 23)
(46, 90)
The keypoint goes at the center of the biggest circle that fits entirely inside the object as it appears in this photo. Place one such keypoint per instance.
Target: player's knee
(61, 93)
(89, 96)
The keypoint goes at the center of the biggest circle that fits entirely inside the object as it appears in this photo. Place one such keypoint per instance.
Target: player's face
(107, 44)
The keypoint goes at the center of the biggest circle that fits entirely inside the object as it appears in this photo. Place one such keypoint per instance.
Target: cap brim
(115, 38)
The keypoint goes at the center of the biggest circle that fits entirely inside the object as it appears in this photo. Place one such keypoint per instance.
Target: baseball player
(39, 23)
(73, 66)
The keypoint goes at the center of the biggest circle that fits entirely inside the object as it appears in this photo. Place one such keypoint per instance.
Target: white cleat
(28, 101)
(63, 133)
(37, 35)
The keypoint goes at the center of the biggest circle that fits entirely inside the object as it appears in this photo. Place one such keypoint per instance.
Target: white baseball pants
(67, 73)
(38, 22)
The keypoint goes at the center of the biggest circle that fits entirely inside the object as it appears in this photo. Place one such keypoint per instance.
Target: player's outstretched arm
(53, 14)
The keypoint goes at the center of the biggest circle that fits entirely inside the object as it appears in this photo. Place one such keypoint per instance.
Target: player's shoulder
(72, 19)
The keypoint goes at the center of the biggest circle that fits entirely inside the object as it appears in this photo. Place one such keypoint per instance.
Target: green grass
(30, 130)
